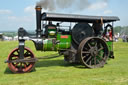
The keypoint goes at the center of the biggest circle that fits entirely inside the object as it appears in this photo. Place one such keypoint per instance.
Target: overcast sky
(21, 13)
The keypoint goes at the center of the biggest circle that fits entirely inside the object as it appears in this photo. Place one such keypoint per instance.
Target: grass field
(57, 72)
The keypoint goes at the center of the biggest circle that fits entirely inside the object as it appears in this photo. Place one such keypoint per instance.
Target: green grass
(57, 72)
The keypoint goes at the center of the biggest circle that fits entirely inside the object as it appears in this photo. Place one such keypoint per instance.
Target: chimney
(38, 21)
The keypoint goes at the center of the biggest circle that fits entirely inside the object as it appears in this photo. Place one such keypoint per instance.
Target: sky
(21, 13)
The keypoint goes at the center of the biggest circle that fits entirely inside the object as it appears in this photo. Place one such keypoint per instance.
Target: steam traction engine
(86, 42)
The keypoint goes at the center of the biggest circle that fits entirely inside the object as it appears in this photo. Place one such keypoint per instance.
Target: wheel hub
(94, 51)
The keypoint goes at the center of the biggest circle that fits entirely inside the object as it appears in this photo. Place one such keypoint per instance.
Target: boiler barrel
(64, 43)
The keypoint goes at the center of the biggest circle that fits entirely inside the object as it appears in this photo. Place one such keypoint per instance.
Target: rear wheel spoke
(84, 57)
(89, 45)
(100, 49)
(86, 52)
(88, 59)
(96, 44)
(98, 61)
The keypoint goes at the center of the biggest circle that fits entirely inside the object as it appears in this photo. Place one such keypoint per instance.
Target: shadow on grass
(51, 63)
(8, 71)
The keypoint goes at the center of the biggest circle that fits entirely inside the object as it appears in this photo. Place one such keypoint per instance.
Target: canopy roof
(77, 18)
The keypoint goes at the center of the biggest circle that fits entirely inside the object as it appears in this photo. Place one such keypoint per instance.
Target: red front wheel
(20, 67)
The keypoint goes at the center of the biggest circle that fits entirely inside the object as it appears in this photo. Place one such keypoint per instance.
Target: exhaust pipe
(38, 21)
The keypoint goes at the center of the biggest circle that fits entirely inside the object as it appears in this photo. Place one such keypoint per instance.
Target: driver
(97, 28)
(108, 36)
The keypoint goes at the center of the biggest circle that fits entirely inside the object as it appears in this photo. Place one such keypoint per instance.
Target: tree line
(123, 30)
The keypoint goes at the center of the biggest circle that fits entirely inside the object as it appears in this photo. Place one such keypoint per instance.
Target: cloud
(98, 5)
(21, 19)
(5, 11)
(29, 9)
(107, 11)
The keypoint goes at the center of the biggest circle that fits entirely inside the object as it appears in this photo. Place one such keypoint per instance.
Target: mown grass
(57, 72)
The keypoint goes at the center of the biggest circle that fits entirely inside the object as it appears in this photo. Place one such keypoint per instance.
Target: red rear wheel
(20, 67)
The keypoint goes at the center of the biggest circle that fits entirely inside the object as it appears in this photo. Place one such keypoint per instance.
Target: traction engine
(84, 41)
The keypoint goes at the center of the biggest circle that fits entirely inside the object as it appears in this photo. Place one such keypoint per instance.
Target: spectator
(116, 37)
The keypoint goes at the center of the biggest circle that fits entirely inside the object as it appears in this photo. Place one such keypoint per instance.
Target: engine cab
(50, 30)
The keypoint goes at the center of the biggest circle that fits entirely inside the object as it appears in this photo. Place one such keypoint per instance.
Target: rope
(49, 56)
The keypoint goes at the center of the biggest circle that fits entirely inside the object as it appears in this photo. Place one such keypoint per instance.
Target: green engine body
(56, 40)
(55, 44)
(110, 48)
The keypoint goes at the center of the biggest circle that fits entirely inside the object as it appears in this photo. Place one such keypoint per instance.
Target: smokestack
(38, 21)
